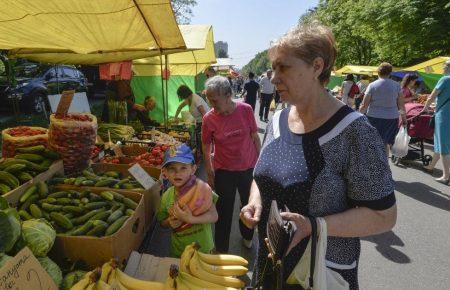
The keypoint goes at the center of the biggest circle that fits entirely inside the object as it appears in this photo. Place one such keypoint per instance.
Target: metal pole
(167, 90)
(162, 90)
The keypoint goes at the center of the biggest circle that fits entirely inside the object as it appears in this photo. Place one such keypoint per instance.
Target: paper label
(64, 103)
(24, 272)
(141, 176)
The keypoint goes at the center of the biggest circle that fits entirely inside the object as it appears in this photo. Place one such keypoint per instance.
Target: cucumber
(57, 180)
(117, 196)
(114, 216)
(79, 180)
(58, 194)
(99, 222)
(113, 174)
(95, 205)
(46, 163)
(130, 203)
(24, 215)
(29, 157)
(84, 218)
(35, 211)
(42, 189)
(105, 182)
(103, 215)
(48, 200)
(84, 200)
(129, 212)
(24, 176)
(97, 231)
(73, 209)
(32, 149)
(82, 230)
(115, 226)
(128, 186)
(9, 179)
(4, 188)
(95, 197)
(15, 168)
(61, 220)
(51, 207)
(107, 195)
(29, 201)
(70, 180)
(69, 215)
(28, 192)
(50, 154)
(90, 175)
(88, 182)
(64, 201)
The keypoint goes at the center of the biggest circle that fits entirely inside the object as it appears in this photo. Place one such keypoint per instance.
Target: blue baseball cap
(181, 154)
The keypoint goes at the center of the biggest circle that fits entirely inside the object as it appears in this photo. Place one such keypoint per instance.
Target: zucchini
(32, 149)
(28, 192)
(61, 220)
(29, 157)
(115, 226)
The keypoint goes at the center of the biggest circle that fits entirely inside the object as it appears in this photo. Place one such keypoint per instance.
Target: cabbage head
(4, 259)
(52, 269)
(39, 236)
(9, 231)
(71, 279)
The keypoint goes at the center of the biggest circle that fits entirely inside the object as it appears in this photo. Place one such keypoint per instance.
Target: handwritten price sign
(23, 272)
(141, 176)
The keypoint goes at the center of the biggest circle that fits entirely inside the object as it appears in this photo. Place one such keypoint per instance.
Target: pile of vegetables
(154, 158)
(36, 234)
(77, 213)
(73, 137)
(117, 132)
(111, 179)
(27, 163)
(22, 136)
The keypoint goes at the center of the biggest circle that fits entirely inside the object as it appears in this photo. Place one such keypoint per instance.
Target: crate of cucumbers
(91, 225)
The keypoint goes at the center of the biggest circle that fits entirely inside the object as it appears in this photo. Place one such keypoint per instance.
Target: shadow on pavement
(424, 193)
(384, 245)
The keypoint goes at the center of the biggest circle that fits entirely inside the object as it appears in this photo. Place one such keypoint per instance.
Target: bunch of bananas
(110, 274)
(210, 271)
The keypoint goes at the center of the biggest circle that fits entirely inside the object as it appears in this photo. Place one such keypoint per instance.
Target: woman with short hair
(197, 105)
(230, 130)
(383, 103)
(321, 159)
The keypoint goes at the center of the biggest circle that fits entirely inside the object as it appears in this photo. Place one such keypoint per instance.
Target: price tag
(114, 286)
(101, 154)
(141, 176)
(64, 103)
(25, 272)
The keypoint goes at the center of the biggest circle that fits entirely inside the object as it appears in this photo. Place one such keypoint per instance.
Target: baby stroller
(418, 128)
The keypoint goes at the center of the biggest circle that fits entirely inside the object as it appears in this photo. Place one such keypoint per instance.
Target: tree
(183, 10)
(222, 54)
(259, 64)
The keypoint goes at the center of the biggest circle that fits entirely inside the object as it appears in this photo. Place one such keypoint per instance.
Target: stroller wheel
(426, 160)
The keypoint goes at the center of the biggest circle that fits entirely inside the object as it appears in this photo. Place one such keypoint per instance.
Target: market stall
(430, 71)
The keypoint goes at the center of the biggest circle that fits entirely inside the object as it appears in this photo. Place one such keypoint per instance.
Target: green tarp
(335, 81)
(429, 79)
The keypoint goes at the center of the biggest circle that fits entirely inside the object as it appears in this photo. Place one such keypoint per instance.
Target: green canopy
(430, 79)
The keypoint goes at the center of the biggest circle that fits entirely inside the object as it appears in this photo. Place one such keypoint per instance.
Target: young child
(188, 207)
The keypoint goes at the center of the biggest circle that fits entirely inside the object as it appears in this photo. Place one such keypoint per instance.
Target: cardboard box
(95, 251)
(24, 271)
(149, 268)
(13, 196)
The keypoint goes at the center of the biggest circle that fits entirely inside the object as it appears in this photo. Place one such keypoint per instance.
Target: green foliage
(183, 10)
(259, 64)
(222, 54)
(403, 32)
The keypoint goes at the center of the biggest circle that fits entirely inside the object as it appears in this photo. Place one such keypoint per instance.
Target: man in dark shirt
(251, 90)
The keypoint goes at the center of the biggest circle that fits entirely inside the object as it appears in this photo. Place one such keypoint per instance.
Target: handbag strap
(313, 250)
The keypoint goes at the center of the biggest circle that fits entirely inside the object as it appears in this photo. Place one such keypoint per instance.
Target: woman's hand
(251, 214)
(403, 120)
(303, 227)
(174, 222)
(183, 214)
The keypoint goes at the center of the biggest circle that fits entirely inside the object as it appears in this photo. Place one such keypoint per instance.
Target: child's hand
(174, 222)
(184, 214)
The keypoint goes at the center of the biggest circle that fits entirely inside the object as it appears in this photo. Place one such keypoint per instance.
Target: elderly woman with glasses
(229, 130)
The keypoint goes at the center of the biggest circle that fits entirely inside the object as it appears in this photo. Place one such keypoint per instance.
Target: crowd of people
(320, 157)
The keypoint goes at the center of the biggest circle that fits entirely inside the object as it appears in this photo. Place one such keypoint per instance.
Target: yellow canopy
(434, 65)
(88, 31)
(199, 40)
(357, 69)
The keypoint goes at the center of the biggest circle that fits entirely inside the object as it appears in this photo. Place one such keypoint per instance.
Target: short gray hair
(219, 85)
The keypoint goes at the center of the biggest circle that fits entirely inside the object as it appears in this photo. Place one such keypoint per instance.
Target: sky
(249, 25)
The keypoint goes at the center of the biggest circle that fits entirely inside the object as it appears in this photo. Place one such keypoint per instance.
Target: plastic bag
(73, 137)
(400, 147)
(22, 136)
(273, 105)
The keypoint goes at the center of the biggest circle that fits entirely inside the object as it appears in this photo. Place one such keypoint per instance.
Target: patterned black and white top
(340, 165)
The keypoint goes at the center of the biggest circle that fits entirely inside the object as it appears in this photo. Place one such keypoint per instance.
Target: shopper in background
(362, 84)
(383, 100)
(321, 159)
(251, 91)
(267, 94)
(230, 130)
(197, 105)
(441, 94)
(346, 90)
(407, 85)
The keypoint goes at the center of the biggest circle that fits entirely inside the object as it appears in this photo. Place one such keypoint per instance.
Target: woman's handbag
(432, 120)
(311, 271)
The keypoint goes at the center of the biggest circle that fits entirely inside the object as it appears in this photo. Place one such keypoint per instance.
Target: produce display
(36, 234)
(96, 150)
(23, 136)
(158, 137)
(73, 137)
(422, 98)
(117, 132)
(154, 158)
(77, 213)
(209, 271)
(112, 179)
(27, 163)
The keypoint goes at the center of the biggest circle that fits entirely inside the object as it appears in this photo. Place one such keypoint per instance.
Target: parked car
(33, 87)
